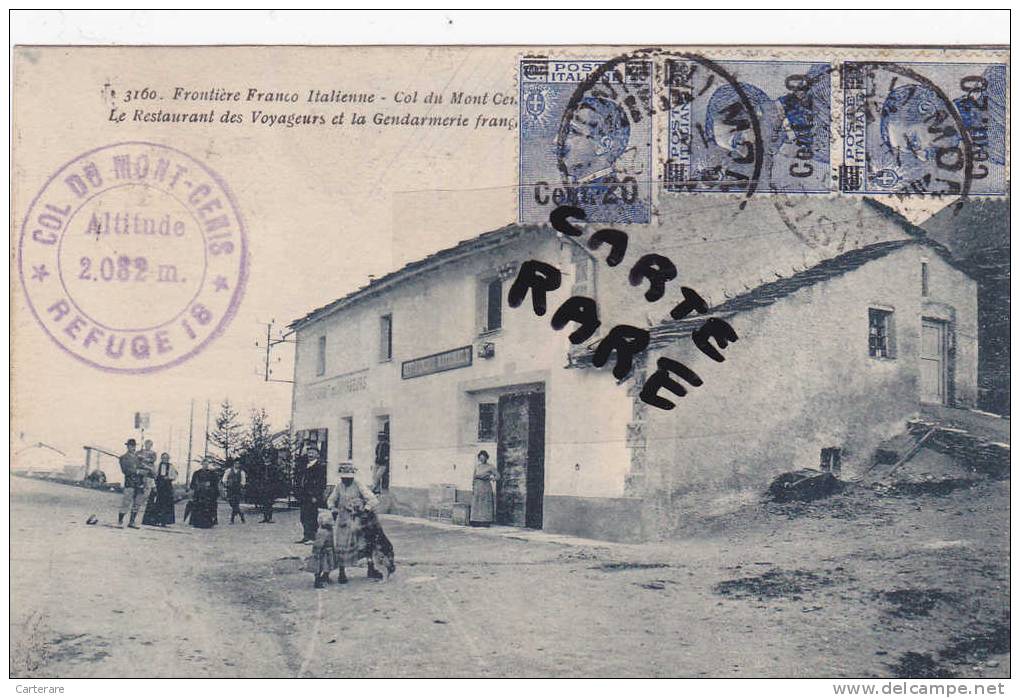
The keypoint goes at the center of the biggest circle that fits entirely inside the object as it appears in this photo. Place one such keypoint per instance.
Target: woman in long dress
(160, 510)
(483, 506)
(205, 494)
(357, 533)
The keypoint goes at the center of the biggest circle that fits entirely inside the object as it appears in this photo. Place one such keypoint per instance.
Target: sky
(325, 209)
(324, 212)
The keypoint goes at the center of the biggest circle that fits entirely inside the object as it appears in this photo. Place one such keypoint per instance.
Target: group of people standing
(203, 507)
(342, 535)
(147, 484)
(151, 485)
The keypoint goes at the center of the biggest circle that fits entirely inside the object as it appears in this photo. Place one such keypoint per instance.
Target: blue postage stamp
(586, 139)
(924, 128)
(746, 126)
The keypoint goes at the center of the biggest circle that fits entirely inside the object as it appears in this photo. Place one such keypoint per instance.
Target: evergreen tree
(227, 435)
(258, 439)
(285, 461)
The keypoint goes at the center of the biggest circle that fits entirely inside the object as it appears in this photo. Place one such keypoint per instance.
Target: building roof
(711, 218)
(977, 233)
(768, 293)
(485, 241)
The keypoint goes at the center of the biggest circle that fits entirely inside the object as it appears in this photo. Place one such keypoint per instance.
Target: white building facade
(839, 346)
(433, 355)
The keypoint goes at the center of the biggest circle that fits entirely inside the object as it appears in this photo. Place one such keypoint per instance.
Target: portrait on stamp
(514, 360)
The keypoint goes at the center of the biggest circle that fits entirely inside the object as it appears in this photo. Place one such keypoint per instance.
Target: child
(324, 559)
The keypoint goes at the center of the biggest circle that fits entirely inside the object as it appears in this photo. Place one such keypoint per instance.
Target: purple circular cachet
(133, 257)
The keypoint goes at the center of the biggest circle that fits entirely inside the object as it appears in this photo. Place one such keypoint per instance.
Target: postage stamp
(748, 125)
(924, 128)
(586, 139)
(133, 257)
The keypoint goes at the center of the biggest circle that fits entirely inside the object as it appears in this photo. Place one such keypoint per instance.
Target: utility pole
(270, 343)
(191, 424)
(206, 428)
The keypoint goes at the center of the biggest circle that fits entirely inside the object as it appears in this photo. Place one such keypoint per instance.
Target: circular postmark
(723, 148)
(903, 134)
(604, 110)
(133, 257)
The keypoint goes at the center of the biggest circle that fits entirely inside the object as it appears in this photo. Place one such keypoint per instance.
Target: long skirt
(349, 539)
(160, 509)
(203, 513)
(482, 504)
(358, 536)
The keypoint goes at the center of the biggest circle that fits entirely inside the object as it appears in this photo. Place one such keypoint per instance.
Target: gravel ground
(862, 584)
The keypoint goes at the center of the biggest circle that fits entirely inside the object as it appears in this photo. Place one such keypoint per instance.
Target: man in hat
(135, 492)
(234, 482)
(382, 462)
(313, 484)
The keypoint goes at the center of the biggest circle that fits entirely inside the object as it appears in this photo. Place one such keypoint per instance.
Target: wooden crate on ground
(461, 513)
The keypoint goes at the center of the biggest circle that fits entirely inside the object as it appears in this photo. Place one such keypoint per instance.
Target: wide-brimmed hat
(347, 469)
(130, 442)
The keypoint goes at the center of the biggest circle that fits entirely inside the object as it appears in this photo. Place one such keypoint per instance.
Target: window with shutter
(494, 305)
(349, 430)
(320, 361)
(584, 273)
(385, 337)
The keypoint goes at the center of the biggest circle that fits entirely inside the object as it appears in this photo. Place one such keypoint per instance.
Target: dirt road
(858, 585)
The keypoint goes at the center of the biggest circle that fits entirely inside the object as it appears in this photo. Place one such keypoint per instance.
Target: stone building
(977, 234)
(847, 319)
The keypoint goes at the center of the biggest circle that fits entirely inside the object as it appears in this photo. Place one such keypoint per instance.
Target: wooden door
(933, 361)
(536, 460)
(520, 454)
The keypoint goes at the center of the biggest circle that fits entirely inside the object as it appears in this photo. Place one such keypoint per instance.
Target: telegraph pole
(191, 421)
(206, 428)
(270, 343)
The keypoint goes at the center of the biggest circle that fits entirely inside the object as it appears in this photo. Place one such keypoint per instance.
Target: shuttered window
(348, 423)
(494, 305)
(320, 361)
(385, 337)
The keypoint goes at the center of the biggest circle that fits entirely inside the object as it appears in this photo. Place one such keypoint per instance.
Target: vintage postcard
(507, 361)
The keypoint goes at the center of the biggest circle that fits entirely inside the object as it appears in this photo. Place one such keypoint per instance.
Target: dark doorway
(381, 471)
(520, 456)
